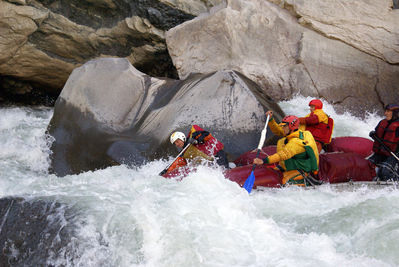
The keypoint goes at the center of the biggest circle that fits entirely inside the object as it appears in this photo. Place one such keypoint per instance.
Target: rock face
(345, 52)
(110, 113)
(42, 41)
(370, 26)
(35, 232)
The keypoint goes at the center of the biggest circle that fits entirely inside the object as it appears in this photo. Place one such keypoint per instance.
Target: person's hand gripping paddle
(167, 167)
(249, 183)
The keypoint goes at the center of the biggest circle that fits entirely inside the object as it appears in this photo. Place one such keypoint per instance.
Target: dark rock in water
(110, 113)
(34, 232)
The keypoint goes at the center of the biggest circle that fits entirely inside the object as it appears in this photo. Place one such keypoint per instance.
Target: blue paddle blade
(249, 183)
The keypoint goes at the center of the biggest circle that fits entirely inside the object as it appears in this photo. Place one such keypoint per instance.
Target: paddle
(375, 137)
(167, 167)
(249, 183)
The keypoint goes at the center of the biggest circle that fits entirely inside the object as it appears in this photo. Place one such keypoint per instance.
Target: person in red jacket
(318, 123)
(387, 131)
(203, 147)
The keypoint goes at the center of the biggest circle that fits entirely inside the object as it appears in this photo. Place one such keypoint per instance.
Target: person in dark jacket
(387, 131)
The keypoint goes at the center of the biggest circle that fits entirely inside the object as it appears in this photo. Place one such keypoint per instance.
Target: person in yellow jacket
(297, 153)
(318, 123)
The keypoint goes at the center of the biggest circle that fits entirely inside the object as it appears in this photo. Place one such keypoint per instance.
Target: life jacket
(386, 131)
(211, 145)
(179, 162)
(193, 154)
(306, 157)
(323, 130)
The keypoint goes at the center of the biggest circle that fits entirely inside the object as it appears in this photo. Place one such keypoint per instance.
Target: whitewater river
(132, 217)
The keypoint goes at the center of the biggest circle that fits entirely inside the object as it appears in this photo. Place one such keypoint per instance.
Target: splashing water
(133, 217)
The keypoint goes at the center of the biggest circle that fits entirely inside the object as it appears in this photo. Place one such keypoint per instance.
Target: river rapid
(129, 216)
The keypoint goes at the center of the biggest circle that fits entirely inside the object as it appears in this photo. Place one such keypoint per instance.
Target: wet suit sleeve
(290, 150)
(276, 129)
(272, 159)
(313, 119)
(200, 136)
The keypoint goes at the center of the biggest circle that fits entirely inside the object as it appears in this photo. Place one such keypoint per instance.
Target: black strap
(309, 179)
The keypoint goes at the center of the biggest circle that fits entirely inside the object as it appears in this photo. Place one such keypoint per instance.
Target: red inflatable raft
(344, 162)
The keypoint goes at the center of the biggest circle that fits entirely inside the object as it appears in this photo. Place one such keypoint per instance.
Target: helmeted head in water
(178, 139)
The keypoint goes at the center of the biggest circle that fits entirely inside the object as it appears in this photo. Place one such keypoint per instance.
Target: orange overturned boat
(343, 162)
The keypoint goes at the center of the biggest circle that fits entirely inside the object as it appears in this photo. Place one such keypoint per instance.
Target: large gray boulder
(110, 113)
(290, 47)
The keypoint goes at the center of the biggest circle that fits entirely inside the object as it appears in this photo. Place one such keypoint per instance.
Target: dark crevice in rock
(341, 101)
(159, 66)
(89, 14)
(99, 15)
(291, 9)
(377, 81)
(310, 77)
(395, 4)
(160, 15)
(14, 91)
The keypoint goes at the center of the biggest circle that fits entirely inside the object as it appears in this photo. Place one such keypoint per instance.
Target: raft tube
(346, 164)
(359, 145)
(264, 176)
(340, 167)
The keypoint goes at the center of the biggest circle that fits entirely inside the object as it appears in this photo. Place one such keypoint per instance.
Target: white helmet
(177, 135)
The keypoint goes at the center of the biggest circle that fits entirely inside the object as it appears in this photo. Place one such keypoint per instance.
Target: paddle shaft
(257, 155)
(375, 137)
(263, 135)
(262, 140)
(167, 167)
(249, 182)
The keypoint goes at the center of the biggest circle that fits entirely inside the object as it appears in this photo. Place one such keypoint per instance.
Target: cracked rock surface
(42, 41)
(345, 52)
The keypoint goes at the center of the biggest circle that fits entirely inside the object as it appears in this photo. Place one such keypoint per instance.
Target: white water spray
(133, 217)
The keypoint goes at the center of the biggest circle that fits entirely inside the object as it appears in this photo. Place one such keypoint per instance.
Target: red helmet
(316, 103)
(292, 121)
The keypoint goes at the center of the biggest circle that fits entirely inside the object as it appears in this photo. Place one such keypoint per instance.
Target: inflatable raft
(343, 162)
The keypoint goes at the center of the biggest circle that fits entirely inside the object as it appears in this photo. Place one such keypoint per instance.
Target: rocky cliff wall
(346, 52)
(42, 41)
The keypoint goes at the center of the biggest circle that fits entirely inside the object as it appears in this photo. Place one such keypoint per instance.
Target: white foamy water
(133, 217)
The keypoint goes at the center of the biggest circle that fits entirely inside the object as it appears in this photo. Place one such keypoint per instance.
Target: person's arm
(276, 129)
(287, 152)
(200, 136)
(313, 119)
